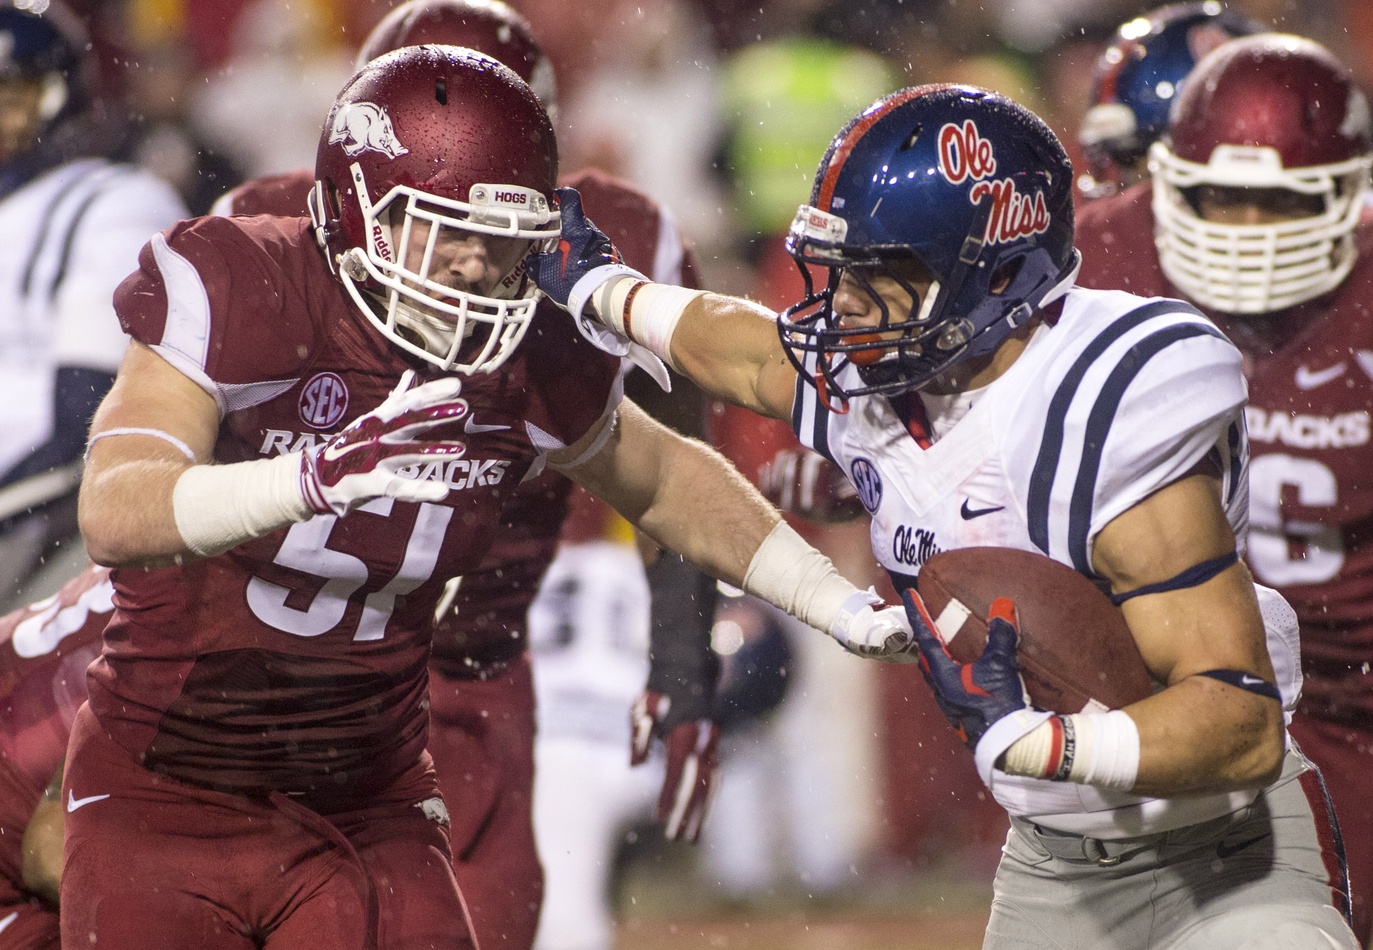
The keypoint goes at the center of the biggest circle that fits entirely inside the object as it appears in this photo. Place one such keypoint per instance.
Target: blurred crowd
(720, 110)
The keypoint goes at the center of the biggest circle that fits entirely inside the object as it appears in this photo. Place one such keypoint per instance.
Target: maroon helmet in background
(487, 26)
(1269, 111)
(420, 140)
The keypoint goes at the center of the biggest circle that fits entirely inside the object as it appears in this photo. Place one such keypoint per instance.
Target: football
(1076, 651)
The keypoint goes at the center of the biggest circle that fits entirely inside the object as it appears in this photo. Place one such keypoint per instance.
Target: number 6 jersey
(296, 661)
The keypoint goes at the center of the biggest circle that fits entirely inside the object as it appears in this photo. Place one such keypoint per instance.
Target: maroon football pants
(481, 735)
(160, 865)
(1345, 757)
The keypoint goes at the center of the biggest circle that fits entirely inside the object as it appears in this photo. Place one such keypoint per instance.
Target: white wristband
(646, 312)
(1100, 749)
(790, 574)
(218, 507)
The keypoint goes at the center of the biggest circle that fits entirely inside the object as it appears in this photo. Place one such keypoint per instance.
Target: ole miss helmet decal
(964, 154)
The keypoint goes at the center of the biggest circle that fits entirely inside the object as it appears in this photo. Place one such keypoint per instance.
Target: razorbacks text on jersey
(1119, 398)
(302, 669)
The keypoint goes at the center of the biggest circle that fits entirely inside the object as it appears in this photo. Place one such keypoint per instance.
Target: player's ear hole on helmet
(1004, 276)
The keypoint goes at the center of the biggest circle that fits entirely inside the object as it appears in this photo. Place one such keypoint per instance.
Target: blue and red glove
(985, 701)
(581, 262)
(692, 767)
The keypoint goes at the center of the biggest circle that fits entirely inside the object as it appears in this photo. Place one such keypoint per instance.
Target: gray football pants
(1252, 880)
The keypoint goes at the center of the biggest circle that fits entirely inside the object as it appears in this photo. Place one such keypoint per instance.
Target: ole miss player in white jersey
(974, 396)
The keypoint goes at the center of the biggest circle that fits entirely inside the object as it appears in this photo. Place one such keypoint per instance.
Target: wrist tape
(1100, 749)
(218, 507)
(646, 312)
(790, 574)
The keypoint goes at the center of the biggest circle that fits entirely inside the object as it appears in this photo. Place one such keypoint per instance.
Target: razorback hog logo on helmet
(363, 126)
(965, 155)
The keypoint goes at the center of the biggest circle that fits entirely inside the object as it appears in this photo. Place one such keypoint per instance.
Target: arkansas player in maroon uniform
(481, 709)
(1256, 214)
(44, 651)
(300, 448)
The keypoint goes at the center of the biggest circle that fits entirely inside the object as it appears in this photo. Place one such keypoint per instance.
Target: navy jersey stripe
(1051, 444)
(806, 394)
(1236, 460)
(48, 217)
(1099, 430)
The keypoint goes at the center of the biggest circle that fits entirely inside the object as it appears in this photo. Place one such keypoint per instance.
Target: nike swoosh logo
(1224, 850)
(1310, 379)
(970, 513)
(472, 427)
(1248, 680)
(73, 803)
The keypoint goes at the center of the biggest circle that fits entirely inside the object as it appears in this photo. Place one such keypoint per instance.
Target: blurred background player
(44, 651)
(1137, 78)
(72, 224)
(1256, 214)
(481, 695)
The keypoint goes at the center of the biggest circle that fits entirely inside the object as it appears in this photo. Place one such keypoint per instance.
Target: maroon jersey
(482, 623)
(44, 651)
(296, 661)
(1310, 372)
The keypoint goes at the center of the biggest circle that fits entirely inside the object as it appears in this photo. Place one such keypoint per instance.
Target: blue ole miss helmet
(974, 187)
(1139, 75)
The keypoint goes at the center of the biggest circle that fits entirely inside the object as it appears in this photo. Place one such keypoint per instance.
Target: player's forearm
(706, 511)
(154, 512)
(1202, 735)
(728, 347)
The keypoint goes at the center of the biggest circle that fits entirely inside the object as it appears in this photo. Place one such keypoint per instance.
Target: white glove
(364, 460)
(878, 634)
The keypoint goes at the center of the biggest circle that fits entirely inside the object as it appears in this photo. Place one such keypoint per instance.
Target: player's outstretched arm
(1201, 733)
(726, 345)
(685, 496)
(152, 494)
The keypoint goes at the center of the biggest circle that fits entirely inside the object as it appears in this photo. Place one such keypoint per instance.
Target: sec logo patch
(868, 483)
(323, 401)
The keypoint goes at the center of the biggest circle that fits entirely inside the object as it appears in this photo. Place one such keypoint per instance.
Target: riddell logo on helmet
(965, 155)
(363, 127)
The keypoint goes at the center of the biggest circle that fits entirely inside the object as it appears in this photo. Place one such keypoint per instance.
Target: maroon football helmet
(487, 26)
(1269, 111)
(423, 141)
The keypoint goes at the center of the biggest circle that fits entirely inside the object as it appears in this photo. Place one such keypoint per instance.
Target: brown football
(1075, 648)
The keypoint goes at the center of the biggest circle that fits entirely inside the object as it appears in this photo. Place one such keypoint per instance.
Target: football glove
(364, 460)
(973, 696)
(877, 634)
(581, 262)
(693, 761)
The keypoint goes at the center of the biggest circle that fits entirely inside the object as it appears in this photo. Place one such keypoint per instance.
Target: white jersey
(71, 236)
(1118, 399)
(589, 642)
